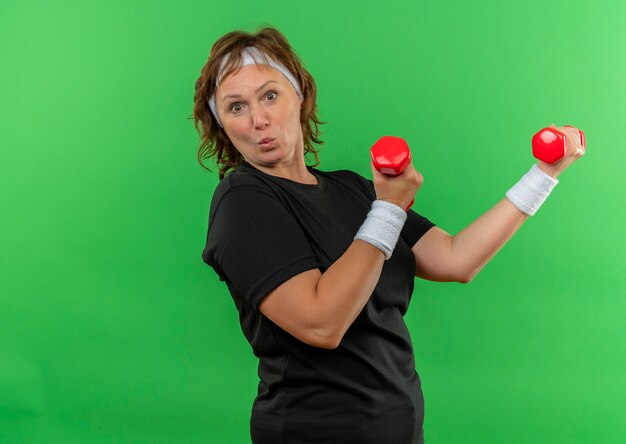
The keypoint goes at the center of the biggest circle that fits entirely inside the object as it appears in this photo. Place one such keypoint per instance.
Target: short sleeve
(415, 227)
(255, 243)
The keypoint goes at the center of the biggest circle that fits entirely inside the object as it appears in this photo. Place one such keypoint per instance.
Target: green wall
(112, 329)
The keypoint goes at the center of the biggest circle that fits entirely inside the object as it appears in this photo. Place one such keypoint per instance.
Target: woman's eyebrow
(256, 91)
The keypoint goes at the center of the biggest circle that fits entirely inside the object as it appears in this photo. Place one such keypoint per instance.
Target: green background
(112, 329)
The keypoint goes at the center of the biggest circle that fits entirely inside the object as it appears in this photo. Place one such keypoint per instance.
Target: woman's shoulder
(238, 184)
(344, 174)
(350, 178)
(239, 177)
(246, 180)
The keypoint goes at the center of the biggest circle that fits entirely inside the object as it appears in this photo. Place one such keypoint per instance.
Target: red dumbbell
(390, 156)
(550, 145)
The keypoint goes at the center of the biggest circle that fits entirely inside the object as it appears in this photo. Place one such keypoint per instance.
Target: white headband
(252, 56)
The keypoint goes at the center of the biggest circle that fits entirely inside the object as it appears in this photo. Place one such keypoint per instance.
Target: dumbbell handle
(583, 142)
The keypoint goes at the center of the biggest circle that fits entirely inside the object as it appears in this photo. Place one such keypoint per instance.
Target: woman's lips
(268, 144)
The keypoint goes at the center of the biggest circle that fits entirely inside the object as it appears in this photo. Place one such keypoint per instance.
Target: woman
(321, 265)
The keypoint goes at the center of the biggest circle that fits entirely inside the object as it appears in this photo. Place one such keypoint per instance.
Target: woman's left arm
(444, 258)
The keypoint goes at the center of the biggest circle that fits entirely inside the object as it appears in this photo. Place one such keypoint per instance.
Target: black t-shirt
(264, 230)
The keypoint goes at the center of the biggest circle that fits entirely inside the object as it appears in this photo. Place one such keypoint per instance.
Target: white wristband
(382, 226)
(532, 190)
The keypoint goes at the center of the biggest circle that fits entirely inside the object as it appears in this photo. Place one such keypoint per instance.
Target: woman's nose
(259, 116)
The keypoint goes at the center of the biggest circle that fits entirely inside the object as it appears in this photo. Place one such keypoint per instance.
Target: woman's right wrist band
(382, 226)
(532, 190)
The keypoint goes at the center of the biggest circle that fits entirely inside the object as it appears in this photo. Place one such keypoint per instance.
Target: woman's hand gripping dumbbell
(558, 147)
(395, 178)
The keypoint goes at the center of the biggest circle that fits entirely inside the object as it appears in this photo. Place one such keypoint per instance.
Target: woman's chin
(272, 153)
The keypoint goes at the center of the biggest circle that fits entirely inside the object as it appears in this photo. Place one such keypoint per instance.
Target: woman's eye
(236, 107)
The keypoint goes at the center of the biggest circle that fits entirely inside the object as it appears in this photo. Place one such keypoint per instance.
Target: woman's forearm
(473, 247)
(346, 286)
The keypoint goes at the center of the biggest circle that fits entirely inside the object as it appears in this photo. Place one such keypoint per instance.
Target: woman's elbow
(326, 340)
(330, 344)
(327, 344)
(466, 278)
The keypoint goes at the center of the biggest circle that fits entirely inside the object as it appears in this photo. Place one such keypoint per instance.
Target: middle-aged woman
(321, 265)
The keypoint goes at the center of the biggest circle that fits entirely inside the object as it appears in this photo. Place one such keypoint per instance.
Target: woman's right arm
(319, 308)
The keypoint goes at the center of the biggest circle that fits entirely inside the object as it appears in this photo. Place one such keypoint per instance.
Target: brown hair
(214, 141)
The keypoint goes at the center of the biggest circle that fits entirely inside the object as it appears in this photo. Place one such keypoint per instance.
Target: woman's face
(258, 102)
